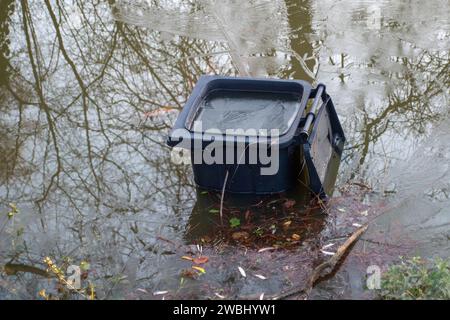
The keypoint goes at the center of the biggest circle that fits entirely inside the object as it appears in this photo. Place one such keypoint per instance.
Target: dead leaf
(239, 235)
(187, 258)
(142, 290)
(287, 224)
(289, 204)
(328, 253)
(219, 295)
(327, 246)
(242, 271)
(266, 249)
(188, 273)
(260, 276)
(200, 260)
(295, 237)
(199, 269)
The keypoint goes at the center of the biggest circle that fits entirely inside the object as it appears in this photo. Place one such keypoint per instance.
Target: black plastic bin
(308, 145)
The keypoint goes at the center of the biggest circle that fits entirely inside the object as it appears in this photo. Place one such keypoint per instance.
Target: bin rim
(202, 88)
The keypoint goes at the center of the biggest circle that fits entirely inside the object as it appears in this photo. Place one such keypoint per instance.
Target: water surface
(88, 92)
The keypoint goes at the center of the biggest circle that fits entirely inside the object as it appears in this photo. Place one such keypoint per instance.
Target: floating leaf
(328, 246)
(13, 211)
(159, 293)
(242, 271)
(43, 294)
(295, 237)
(142, 290)
(200, 269)
(287, 223)
(266, 249)
(187, 258)
(260, 276)
(239, 235)
(188, 273)
(328, 253)
(200, 260)
(85, 266)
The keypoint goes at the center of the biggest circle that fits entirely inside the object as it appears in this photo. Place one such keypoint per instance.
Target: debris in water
(328, 253)
(266, 249)
(142, 290)
(200, 269)
(287, 223)
(242, 272)
(200, 260)
(289, 204)
(240, 235)
(187, 258)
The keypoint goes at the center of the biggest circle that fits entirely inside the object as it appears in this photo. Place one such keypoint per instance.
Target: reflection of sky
(379, 63)
(369, 51)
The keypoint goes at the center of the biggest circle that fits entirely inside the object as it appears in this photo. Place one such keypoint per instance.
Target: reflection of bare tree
(84, 112)
(6, 9)
(299, 15)
(411, 106)
(97, 166)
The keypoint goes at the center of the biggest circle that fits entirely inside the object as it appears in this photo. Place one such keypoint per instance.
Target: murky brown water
(89, 91)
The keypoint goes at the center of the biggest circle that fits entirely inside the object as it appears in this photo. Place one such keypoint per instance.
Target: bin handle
(304, 133)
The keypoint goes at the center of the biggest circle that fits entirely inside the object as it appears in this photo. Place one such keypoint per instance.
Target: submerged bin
(259, 136)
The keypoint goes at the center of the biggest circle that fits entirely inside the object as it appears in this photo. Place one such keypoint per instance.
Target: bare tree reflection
(85, 104)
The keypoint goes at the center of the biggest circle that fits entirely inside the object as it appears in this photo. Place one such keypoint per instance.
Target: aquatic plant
(416, 278)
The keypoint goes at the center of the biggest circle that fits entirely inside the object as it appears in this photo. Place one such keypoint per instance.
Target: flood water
(89, 90)
(225, 109)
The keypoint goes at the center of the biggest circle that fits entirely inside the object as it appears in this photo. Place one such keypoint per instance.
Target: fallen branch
(319, 270)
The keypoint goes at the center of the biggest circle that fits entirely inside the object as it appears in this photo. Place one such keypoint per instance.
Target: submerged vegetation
(416, 278)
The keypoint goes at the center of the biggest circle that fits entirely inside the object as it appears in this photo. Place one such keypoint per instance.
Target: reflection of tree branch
(82, 87)
(148, 65)
(43, 103)
(414, 101)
